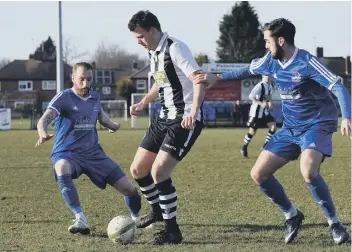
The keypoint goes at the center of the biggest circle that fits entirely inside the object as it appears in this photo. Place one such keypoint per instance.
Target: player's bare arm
(43, 124)
(209, 78)
(150, 97)
(106, 122)
(198, 97)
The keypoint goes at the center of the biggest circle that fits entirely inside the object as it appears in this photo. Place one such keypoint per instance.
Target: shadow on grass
(24, 221)
(255, 227)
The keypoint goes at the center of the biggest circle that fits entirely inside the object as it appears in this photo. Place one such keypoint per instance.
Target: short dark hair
(85, 65)
(145, 20)
(282, 27)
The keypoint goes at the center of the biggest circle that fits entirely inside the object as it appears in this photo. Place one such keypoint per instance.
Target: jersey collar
(290, 61)
(161, 43)
(81, 97)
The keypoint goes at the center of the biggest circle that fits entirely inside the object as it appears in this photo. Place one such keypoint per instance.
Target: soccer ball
(122, 229)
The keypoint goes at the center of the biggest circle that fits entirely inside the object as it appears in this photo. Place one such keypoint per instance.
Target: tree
(125, 88)
(70, 52)
(241, 37)
(202, 58)
(46, 51)
(112, 56)
(4, 62)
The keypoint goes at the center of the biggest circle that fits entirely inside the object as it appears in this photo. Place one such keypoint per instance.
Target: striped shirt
(261, 92)
(171, 64)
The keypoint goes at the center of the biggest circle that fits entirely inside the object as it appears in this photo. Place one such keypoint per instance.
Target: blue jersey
(304, 85)
(75, 129)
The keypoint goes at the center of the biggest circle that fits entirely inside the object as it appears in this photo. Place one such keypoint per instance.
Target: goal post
(143, 120)
(146, 116)
(115, 108)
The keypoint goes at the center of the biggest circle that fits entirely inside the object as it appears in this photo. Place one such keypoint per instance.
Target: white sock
(333, 220)
(292, 212)
(81, 216)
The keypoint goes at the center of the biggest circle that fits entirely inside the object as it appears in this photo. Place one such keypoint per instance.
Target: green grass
(220, 208)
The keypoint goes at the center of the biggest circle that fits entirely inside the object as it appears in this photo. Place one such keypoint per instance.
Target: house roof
(141, 73)
(336, 64)
(32, 70)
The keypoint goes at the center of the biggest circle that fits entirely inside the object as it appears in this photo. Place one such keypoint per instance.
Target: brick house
(24, 82)
(140, 79)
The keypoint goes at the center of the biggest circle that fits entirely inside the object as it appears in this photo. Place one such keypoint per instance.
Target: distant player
(310, 118)
(259, 114)
(172, 134)
(76, 149)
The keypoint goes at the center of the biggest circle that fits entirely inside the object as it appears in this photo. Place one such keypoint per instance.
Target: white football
(122, 229)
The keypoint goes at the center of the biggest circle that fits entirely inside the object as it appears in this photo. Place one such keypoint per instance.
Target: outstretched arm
(42, 126)
(257, 66)
(237, 74)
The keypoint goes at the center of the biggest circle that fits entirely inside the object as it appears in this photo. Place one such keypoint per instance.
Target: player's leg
(175, 147)
(248, 137)
(140, 170)
(131, 196)
(102, 170)
(278, 152)
(272, 129)
(122, 184)
(64, 170)
(161, 172)
(316, 146)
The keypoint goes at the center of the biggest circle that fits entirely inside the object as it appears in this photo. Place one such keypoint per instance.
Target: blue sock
(69, 192)
(134, 204)
(276, 193)
(322, 196)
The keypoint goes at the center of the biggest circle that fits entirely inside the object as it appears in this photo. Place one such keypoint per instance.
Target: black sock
(150, 192)
(168, 203)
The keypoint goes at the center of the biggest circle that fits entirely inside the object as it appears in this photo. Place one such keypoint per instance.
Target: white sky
(24, 25)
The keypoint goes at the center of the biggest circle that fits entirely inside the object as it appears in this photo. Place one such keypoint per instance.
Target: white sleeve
(183, 58)
(256, 92)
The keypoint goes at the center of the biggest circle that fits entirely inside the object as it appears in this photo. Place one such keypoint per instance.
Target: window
(44, 105)
(106, 90)
(103, 77)
(19, 104)
(49, 85)
(141, 84)
(25, 85)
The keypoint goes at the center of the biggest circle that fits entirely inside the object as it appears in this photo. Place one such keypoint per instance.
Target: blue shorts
(99, 168)
(290, 143)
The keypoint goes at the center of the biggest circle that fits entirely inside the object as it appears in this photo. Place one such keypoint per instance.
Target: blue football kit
(309, 111)
(76, 138)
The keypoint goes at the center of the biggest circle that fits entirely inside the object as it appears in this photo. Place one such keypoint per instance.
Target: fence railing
(212, 118)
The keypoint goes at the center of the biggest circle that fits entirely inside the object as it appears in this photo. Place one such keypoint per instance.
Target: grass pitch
(219, 206)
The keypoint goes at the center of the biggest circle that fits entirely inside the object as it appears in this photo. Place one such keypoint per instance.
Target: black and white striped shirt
(261, 92)
(171, 64)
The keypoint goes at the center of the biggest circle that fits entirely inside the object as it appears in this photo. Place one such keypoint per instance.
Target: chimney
(348, 65)
(134, 66)
(320, 52)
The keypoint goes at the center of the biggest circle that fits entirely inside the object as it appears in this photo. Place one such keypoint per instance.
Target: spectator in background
(245, 112)
(237, 114)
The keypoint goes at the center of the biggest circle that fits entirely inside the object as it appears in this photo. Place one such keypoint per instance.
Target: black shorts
(255, 122)
(169, 136)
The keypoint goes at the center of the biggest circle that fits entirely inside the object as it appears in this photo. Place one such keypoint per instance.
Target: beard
(279, 52)
(84, 92)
